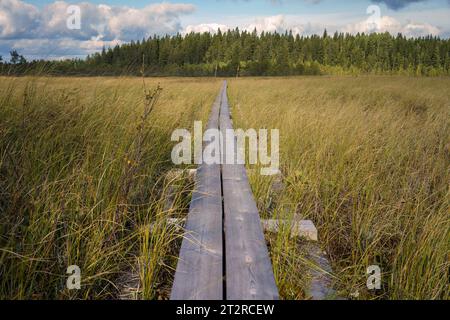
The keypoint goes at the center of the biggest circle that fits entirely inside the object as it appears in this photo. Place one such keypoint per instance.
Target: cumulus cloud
(393, 26)
(300, 25)
(277, 23)
(21, 20)
(205, 27)
(162, 18)
(271, 24)
(17, 18)
(32, 27)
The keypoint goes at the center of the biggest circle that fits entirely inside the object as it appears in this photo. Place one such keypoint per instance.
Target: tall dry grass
(367, 159)
(82, 180)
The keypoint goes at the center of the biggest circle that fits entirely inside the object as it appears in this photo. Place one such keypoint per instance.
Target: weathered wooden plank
(301, 228)
(249, 274)
(199, 274)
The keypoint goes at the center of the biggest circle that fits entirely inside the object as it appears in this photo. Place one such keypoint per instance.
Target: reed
(82, 165)
(367, 159)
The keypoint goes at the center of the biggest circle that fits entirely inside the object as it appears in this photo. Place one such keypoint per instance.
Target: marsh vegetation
(83, 180)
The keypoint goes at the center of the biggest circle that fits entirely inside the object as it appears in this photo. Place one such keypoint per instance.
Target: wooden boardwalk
(223, 255)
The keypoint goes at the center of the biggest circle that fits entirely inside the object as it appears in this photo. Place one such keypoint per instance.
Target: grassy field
(367, 159)
(82, 179)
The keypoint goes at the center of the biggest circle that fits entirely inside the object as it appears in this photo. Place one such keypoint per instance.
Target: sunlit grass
(74, 192)
(367, 159)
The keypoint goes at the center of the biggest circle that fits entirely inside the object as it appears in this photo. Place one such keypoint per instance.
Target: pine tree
(447, 62)
(436, 58)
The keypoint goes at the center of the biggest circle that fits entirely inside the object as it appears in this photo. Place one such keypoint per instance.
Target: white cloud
(205, 27)
(273, 24)
(17, 18)
(420, 29)
(127, 23)
(315, 24)
(276, 23)
(393, 26)
(21, 21)
(108, 23)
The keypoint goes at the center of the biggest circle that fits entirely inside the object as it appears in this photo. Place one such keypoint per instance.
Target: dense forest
(245, 53)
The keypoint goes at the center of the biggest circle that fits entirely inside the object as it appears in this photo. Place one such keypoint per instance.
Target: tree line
(244, 53)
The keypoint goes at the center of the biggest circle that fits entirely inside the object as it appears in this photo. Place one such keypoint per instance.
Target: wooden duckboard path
(224, 255)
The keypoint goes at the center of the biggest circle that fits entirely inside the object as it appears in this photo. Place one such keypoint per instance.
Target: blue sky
(38, 28)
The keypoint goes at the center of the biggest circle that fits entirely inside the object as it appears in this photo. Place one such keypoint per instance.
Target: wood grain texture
(249, 274)
(199, 274)
(223, 204)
